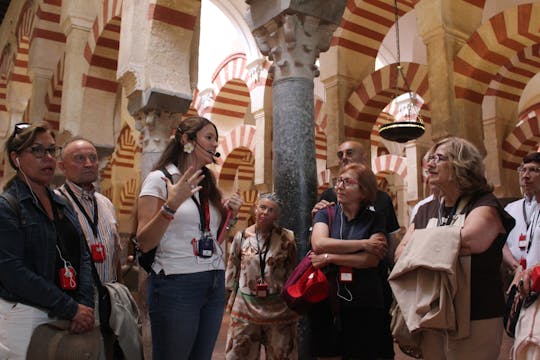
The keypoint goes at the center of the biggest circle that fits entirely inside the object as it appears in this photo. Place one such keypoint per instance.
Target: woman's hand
(319, 206)
(319, 260)
(376, 245)
(83, 320)
(186, 187)
(233, 203)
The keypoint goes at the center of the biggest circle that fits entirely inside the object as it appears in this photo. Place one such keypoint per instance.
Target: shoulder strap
(167, 174)
(12, 201)
(330, 210)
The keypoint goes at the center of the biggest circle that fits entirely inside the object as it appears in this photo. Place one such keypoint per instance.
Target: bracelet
(326, 258)
(166, 215)
(165, 208)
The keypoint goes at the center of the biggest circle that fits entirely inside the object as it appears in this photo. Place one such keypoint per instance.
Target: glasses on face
(346, 182)
(39, 151)
(348, 152)
(19, 127)
(437, 158)
(535, 170)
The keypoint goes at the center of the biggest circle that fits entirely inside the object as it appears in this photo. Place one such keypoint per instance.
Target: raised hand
(184, 188)
(233, 203)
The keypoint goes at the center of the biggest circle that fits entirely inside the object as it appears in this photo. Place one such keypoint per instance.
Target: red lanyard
(204, 215)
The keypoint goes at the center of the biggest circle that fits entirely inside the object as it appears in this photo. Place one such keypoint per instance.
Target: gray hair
(272, 197)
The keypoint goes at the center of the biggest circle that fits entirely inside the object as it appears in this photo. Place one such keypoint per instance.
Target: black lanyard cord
(93, 223)
(450, 217)
(204, 214)
(266, 247)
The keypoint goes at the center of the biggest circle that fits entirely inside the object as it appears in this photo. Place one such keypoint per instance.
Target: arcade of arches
(124, 73)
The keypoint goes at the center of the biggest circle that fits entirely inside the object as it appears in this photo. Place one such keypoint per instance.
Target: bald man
(351, 152)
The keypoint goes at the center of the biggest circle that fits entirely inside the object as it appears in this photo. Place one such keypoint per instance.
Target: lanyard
(93, 222)
(262, 258)
(527, 222)
(204, 215)
(450, 217)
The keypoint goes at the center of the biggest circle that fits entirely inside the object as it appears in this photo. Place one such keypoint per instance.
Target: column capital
(293, 33)
(156, 127)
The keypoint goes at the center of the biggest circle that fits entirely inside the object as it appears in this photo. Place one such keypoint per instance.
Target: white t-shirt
(417, 206)
(516, 209)
(174, 253)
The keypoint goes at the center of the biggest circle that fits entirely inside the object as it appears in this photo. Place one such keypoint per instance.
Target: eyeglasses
(39, 151)
(347, 182)
(19, 127)
(348, 152)
(437, 158)
(531, 169)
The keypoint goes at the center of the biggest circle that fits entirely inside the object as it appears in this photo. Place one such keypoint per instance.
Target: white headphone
(17, 161)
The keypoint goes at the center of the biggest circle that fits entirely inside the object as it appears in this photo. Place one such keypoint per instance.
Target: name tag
(345, 274)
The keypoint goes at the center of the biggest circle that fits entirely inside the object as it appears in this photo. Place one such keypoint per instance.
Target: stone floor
(219, 351)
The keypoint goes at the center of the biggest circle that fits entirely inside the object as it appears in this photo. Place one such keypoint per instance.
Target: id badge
(345, 274)
(98, 253)
(68, 280)
(522, 242)
(206, 246)
(262, 290)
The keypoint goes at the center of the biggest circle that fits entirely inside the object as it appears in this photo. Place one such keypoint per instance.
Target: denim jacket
(28, 255)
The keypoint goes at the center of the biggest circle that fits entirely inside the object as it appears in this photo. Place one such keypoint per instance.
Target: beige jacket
(431, 282)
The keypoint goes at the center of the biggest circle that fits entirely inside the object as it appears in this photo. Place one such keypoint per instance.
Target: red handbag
(306, 285)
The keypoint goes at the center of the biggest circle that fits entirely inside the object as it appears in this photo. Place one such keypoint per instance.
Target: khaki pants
(483, 343)
(244, 341)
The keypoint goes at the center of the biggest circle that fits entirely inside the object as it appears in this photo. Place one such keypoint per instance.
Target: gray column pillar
(292, 34)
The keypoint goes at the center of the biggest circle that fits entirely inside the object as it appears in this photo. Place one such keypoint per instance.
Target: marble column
(292, 34)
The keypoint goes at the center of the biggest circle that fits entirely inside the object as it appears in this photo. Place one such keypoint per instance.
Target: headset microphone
(214, 154)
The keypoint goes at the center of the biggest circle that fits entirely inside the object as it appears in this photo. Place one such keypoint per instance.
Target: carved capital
(293, 42)
(156, 129)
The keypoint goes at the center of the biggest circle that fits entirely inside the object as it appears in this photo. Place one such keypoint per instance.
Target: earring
(188, 148)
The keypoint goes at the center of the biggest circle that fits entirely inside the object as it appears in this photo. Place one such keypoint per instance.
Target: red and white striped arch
(101, 50)
(492, 58)
(391, 164)
(53, 98)
(242, 136)
(376, 91)
(128, 197)
(126, 149)
(47, 24)
(5, 66)
(19, 72)
(524, 139)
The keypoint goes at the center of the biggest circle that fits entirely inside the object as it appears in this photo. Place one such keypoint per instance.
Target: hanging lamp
(403, 131)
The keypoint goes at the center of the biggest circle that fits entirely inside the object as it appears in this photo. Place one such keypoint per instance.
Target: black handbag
(144, 259)
(514, 302)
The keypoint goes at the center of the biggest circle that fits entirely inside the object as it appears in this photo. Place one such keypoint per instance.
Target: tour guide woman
(186, 292)
(41, 245)
(349, 323)
(455, 167)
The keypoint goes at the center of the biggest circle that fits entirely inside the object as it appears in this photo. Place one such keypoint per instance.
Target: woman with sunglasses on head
(181, 219)
(261, 258)
(456, 168)
(348, 324)
(44, 265)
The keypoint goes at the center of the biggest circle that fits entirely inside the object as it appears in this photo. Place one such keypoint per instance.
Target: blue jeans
(185, 314)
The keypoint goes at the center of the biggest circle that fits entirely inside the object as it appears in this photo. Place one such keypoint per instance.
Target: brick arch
(5, 66)
(23, 32)
(323, 180)
(365, 24)
(242, 136)
(53, 98)
(101, 50)
(391, 163)
(491, 49)
(126, 148)
(524, 139)
(128, 197)
(376, 91)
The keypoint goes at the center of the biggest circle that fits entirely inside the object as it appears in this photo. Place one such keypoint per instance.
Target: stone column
(445, 26)
(41, 80)
(292, 34)
(157, 67)
(76, 22)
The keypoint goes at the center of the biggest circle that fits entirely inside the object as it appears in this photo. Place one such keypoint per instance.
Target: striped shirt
(107, 227)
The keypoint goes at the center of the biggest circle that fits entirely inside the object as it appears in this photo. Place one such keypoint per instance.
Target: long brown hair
(174, 154)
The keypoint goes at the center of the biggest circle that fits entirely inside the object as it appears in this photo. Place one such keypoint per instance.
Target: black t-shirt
(366, 289)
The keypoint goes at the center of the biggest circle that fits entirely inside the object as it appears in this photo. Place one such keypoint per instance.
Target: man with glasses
(519, 248)
(351, 152)
(79, 162)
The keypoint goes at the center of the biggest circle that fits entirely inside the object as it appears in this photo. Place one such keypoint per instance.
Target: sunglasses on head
(19, 127)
